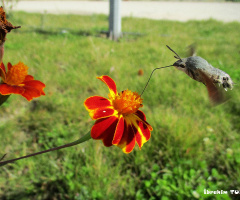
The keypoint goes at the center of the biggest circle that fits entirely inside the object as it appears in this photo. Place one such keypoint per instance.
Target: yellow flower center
(17, 74)
(127, 102)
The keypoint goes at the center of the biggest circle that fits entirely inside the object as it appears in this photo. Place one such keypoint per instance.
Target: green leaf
(3, 98)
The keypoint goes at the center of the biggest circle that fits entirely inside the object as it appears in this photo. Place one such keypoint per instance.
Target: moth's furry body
(196, 66)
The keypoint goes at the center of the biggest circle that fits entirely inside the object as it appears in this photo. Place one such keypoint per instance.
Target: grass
(193, 146)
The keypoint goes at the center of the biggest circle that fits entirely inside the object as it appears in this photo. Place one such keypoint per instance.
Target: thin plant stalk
(81, 140)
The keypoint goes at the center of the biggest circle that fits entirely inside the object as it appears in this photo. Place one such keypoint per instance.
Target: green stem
(81, 140)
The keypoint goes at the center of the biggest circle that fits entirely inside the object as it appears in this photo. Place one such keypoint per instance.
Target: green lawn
(193, 147)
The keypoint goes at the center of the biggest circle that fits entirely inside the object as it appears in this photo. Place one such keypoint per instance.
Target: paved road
(181, 11)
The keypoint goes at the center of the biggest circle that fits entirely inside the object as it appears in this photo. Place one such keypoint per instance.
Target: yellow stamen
(16, 74)
(127, 102)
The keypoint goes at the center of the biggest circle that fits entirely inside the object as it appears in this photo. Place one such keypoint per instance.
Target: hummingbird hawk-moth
(200, 70)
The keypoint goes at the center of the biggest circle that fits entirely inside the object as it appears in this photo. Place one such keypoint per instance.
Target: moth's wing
(214, 92)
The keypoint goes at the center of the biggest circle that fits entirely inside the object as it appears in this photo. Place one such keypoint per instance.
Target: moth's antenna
(151, 77)
(177, 56)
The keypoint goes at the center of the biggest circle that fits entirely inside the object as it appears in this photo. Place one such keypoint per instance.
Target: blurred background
(194, 146)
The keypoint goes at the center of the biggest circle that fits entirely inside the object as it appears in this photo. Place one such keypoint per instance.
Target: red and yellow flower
(118, 119)
(17, 81)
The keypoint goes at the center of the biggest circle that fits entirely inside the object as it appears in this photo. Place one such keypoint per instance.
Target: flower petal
(142, 116)
(34, 84)
(99, 107)
(143, 128)
(96, 102)
(110, 83)
(32, 89)
(28, 78)
(102, 113)
(136, 129)
(31, 92)
(9, 66)
(3, 71)
(143, 134)
(128, 139)
(104, 130)
(119, 131)
(8, 89)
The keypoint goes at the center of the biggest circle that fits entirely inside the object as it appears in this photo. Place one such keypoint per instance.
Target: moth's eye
(182, 65)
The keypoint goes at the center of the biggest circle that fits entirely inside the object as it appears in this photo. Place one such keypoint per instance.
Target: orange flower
(119, 122)
(17, 81)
